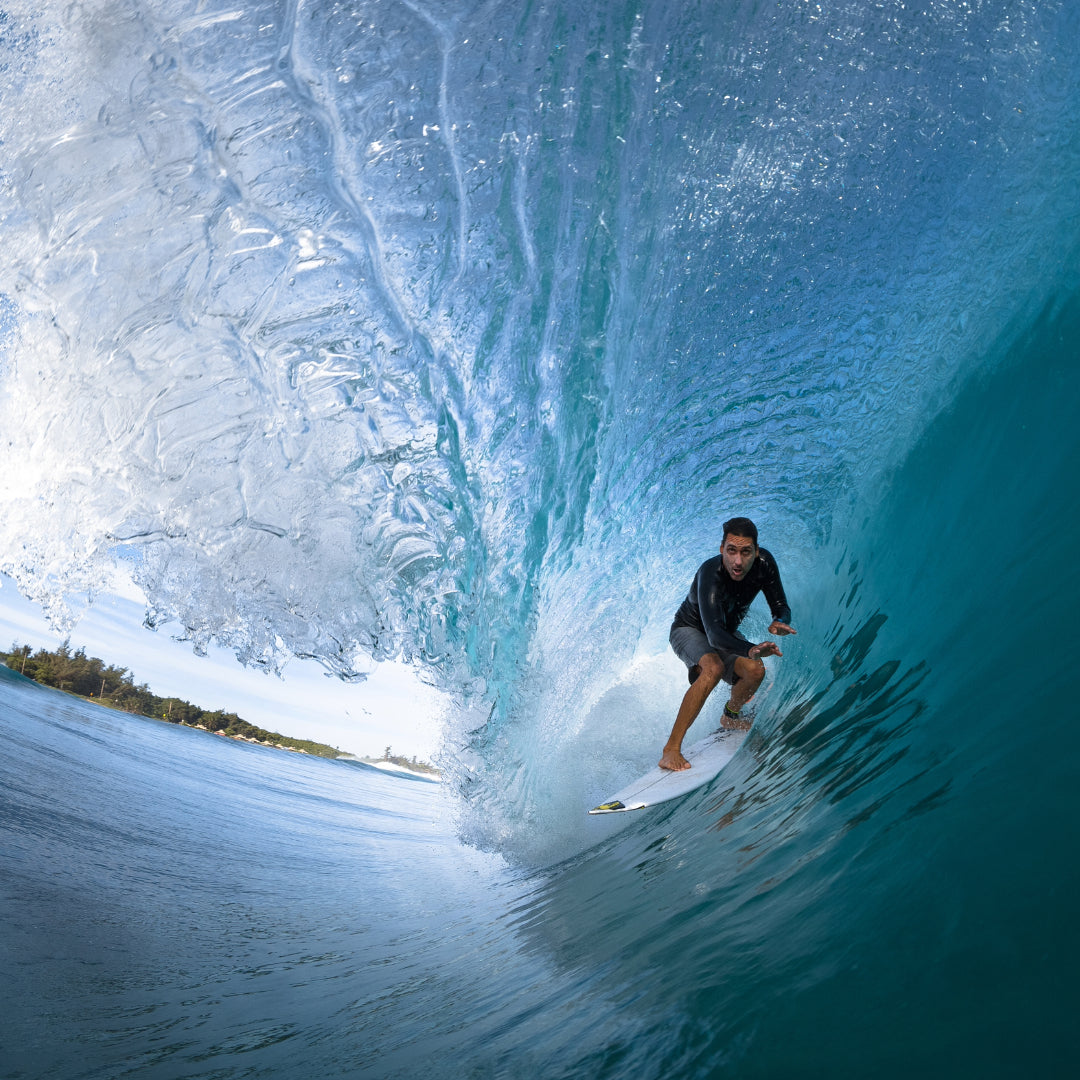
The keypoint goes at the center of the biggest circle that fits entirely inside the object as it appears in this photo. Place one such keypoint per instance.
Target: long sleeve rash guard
(717, 603)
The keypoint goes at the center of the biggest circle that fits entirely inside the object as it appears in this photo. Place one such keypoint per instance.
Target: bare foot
(674, 761)
(738, 724)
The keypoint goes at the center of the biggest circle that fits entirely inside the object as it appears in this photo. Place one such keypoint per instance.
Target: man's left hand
(780, 628)
(766, 648)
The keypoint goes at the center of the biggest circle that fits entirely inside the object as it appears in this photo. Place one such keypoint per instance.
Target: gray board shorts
(690, 645)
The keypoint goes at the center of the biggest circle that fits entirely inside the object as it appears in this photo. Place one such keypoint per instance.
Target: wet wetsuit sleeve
(773, 589)
(688, 615)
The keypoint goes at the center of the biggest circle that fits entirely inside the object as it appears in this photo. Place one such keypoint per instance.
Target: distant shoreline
(316, 749)
(89, 678)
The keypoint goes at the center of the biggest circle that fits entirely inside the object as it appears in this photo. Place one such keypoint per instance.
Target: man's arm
(773, 588)
(719, 636)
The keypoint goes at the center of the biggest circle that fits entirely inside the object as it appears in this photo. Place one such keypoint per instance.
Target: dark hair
(739, 526)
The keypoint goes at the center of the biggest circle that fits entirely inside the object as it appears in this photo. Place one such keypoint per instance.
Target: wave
(451, 333)
(387, 769)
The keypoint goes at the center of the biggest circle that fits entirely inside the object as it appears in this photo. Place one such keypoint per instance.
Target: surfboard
(707, 757)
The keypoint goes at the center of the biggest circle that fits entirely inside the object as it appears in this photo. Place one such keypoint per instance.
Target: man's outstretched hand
(766, 648)
(780, 628)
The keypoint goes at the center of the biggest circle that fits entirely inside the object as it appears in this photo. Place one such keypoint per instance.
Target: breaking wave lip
(382, 337)
(388, 769)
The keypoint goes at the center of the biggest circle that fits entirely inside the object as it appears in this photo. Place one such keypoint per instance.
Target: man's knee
(711, 670)
(753, 671)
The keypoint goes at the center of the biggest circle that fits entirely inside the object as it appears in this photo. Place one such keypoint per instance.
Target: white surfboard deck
(707, 757)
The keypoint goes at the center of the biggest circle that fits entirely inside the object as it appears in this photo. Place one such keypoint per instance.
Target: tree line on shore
(89, 677)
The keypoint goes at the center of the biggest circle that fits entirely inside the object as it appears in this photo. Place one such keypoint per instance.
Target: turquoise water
(451, 332)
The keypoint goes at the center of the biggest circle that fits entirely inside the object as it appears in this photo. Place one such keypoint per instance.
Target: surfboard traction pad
(617, 807)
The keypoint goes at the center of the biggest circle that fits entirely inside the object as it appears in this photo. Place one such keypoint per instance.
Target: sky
(391, 708)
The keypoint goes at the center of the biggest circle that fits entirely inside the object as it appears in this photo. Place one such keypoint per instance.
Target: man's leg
(711, 672)
(748, 677)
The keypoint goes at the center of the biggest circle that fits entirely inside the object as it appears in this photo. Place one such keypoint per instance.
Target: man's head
(739, 547)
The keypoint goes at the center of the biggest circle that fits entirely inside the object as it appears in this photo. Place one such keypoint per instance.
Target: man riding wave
(705, 634)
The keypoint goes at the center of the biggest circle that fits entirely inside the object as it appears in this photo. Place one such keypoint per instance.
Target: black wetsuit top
(718, 603)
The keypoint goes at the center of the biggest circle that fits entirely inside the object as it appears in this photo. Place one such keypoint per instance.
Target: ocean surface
(451, 333)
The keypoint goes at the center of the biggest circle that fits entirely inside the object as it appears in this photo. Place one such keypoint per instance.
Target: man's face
(739, 553)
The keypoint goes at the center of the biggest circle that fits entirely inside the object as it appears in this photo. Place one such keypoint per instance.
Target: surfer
(704, 634)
